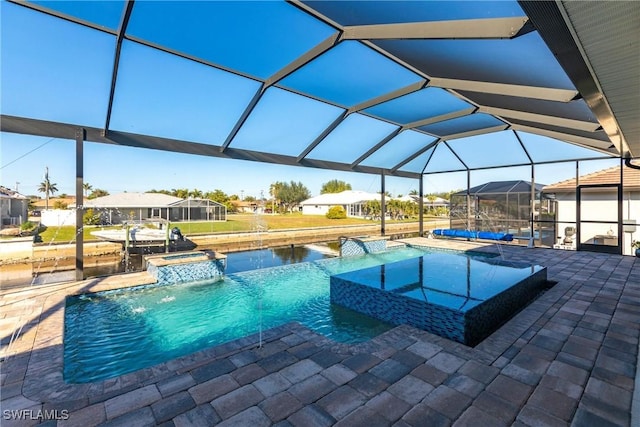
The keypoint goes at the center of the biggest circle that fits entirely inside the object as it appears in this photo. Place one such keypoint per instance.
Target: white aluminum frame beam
(414, 87)
(440, 118)
(26, 126)
(475, 132)
(416, 154)
(581, 141)
(490, 28)
(534, 92)
(540, 118)
(304, 59)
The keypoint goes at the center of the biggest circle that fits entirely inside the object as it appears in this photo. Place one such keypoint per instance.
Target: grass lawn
(234, 223)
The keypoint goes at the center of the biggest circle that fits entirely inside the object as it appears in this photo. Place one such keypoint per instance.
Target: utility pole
(46, 187)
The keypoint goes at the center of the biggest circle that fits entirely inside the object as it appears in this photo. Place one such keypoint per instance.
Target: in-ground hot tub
(186, 266)
(455, 295)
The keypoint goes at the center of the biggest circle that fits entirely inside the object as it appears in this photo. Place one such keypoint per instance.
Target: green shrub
(90, 218)
(27, 225)
(29, 228)
(336, 212)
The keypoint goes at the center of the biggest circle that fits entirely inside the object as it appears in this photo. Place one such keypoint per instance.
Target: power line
(26, 154)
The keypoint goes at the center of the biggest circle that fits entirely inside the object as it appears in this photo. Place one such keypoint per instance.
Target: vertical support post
(383, 204)
(166, 238)
(621, 208)
(578, 237)
(533, 206)
(126, 245)
(506, 216)
(421, 206)
(468, 200)
(80, 137)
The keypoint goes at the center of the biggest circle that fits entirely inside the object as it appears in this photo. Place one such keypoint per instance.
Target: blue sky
(60, 71)
(117, 169)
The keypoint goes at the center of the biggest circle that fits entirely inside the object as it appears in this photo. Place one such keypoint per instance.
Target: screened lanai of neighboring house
(126, 207)
(389, 88)
(498, 206)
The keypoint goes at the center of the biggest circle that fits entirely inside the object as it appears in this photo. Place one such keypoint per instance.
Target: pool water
(464, 283)
(271, 257)
(450, 295)
(115, 332)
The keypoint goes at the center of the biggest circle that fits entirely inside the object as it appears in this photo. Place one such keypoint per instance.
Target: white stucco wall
(600, 206)
(314, 209)
(58, 217)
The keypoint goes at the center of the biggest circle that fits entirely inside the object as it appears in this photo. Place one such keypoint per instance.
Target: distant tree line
(285, 197)
(216, 195)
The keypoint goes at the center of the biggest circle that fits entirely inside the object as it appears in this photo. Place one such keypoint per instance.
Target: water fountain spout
(258, 226)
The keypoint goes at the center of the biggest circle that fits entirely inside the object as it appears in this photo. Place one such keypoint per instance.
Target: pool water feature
(186, 267)
(115, 332)
(455, 296)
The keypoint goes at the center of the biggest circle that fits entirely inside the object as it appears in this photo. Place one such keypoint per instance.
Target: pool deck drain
(569, 358)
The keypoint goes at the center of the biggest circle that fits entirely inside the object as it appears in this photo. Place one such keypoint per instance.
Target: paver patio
(569, 358)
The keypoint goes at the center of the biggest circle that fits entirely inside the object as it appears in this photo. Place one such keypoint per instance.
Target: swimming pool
(115, 332)
(457, 297)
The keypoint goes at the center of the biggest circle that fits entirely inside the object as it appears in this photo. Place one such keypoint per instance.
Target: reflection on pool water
(270, 257)
(454, 281)
(115, 332)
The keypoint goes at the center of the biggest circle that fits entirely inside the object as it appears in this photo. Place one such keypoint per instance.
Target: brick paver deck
(569, 358)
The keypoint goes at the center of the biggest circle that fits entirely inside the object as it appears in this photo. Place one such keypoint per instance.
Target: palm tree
(47, 187)
(183, 193)
(97, 193)
(274, 190)
(196, 194)
(87, 187)
(431, 198)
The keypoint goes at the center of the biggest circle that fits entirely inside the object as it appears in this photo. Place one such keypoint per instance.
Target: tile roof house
(593, 211)
(40, 204)
(605, 176)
